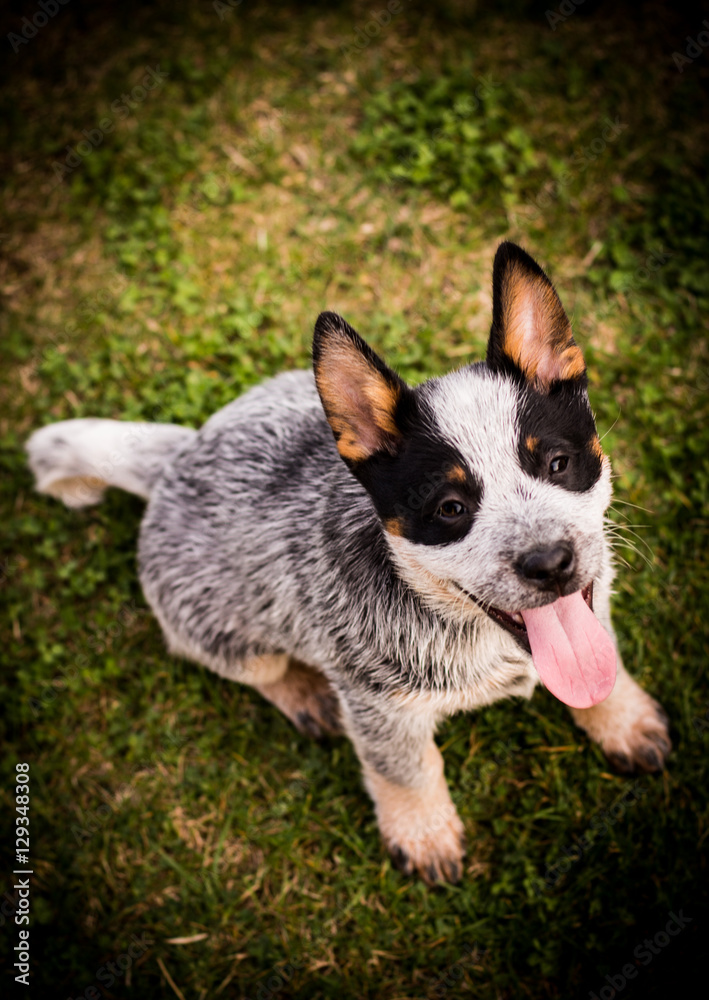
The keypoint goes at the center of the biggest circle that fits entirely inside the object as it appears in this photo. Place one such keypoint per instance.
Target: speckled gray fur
(259, 540)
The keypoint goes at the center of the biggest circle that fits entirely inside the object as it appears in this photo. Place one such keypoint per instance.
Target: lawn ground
(162, 253)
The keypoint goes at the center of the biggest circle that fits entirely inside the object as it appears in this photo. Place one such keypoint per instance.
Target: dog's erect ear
(530, 331)
(358, 392)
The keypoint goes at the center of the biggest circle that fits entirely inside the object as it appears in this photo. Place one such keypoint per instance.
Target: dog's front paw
(644, 746)
(630, 727)
(419, 822)
(436, 854)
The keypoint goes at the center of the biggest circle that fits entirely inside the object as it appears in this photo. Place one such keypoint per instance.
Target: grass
(277, 170)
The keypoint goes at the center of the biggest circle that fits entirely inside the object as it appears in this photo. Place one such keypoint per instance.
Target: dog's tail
(75, 460)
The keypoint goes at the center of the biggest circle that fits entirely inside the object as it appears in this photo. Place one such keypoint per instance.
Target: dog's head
(490, 481)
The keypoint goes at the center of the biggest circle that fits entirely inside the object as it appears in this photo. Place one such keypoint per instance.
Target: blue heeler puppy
(373, 557)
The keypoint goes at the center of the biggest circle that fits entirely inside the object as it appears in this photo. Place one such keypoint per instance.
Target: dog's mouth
(513, 622)
(571, 651)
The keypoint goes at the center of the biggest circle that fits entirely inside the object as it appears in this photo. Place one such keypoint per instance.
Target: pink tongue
(572, 652)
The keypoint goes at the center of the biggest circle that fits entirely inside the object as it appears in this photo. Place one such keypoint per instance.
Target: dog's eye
(450, 509)
(558, 464)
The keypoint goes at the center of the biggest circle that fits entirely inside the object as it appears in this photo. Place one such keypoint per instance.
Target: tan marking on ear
(531, 443)
(384, 397)
(536, 330)
(347, 443)
(381, 395)
(421, 821)
(343, 369)
(569, 363)
(395, 526)
(595, 446)
(457, 474)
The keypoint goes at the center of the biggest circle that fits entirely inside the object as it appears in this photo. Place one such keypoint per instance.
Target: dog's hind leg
(303, 694)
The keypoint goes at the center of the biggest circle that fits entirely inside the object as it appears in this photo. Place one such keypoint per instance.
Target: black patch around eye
(407, 489)
(556, 424)
(433, 527)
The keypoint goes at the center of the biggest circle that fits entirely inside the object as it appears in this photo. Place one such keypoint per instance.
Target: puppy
(373, 557)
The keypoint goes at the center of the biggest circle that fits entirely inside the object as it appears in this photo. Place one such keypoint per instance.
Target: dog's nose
(547, 568)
